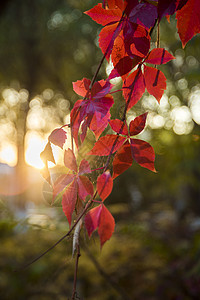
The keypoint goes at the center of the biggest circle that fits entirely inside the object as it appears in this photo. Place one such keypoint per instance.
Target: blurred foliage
(154, 253)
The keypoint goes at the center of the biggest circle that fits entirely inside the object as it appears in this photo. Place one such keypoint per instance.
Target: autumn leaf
(93, 111)
(155, 82)
(58, 137)
(104, 185)
(123, 160)
(73, 185)
(159, 56)
(107, 144)
(188, 20)
(100, 217)
(69, 200)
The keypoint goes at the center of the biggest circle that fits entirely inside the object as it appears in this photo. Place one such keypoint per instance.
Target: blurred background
(154, 252)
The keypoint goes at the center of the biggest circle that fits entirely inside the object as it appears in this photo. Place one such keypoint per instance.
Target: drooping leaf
(70, 160)
(47, 154)
(92, 219)
(106, 225)
(58, 137)
(155, 82)
(104, 185)
(159, 56)
(133, 88)
(143, 154)
(123, 160)
(107, 144)
(138, 124)
(119, 127)
(69, 200)
(188, 20)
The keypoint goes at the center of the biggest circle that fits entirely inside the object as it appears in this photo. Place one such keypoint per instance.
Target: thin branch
(88, 205)
(78, 254)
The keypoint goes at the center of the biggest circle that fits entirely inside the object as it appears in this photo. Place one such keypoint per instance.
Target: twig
(78, 254)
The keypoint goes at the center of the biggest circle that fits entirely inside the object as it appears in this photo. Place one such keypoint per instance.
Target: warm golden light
(34, 146)
(8, 154)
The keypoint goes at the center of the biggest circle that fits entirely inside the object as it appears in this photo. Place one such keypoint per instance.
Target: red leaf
(104, 185)
(58, 137)
(61, 183)
(133, 88)
(119, 126)
(70, 160)
(122, 63)
(155, 82)
(143, 154)
(98, 124)
(123, 160)
(188, 21)
(107, 38)
(101, 89)
(92, 219)
(69, 200)
(81, 87)
(136, 40)
(85, 187)
(159, 56)
(104, 146)
(104, 16)
(106, 225)
(92, 112)
(144, 14)
(169, 7)
(84, 167)
(138, 124)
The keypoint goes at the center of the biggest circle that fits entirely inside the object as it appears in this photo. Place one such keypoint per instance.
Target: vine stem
(78, 254)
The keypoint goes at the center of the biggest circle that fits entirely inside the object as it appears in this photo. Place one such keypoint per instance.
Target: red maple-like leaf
(136, 149)
(104, 185)
(188, 20)
(152, 79)
(93, 111)
(127, 148)
(100, 217)
(117, 21)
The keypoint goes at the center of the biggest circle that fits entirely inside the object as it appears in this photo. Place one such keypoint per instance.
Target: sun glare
(34, 146)
(8, 155)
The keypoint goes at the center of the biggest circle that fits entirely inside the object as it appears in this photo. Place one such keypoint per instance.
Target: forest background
(154, 253)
